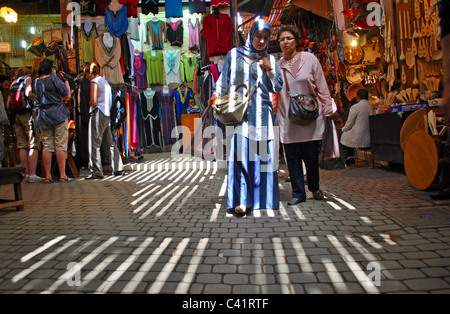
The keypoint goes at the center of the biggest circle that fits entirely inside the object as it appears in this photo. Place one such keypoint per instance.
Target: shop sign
(5, 47)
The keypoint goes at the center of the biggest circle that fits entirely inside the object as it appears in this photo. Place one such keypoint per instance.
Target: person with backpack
(20, 102)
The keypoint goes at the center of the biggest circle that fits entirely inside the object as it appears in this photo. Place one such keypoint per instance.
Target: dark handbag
(303, 109)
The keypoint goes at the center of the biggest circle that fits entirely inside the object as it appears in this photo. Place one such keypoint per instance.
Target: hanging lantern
(351, 13)
(8, 14)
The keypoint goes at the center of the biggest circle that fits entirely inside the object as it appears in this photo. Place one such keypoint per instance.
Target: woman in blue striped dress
(252, 153)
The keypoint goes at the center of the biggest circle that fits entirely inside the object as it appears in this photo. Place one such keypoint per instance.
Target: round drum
(421, 160)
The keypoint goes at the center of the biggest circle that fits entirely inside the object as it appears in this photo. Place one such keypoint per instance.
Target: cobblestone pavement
(163, 228)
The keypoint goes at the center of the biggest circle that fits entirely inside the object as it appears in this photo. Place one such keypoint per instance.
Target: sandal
(48, 180)
(66, 179)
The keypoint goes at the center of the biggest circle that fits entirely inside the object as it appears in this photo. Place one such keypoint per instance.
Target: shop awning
(322, 8)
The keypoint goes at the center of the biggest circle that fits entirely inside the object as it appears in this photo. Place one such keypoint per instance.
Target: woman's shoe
(93, 177)
(241, 209)
(296, 200)
(318, 195)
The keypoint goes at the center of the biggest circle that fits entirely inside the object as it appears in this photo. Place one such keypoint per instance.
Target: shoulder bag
(303, 109)
(231, 109)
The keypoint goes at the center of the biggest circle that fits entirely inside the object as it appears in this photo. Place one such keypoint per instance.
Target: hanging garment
(168, 119)
(108, 60)
(140, 71)
(126, 55)
(187, 67)
(172, 66)
(131, 7)
(84, 88)
(136, 101)
(194, 34)
(88, 43)
(175, 33)
(218, 34)
(150, 108)
(155, 32)
(116, 22)
(133, 28)
(87, 7)
(220, 3)
(197, 6)
(182, 100)
(149, 6)
(155, 67)
(174, 8)
(100, 6)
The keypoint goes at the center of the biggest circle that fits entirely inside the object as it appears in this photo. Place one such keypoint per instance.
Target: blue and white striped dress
(253, 151)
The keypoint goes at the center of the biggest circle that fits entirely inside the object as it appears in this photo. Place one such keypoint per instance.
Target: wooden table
(13, 176)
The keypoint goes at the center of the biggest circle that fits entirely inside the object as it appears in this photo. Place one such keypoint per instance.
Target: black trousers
(296, 154)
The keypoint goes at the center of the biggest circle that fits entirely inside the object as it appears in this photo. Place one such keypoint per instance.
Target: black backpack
(19, 102)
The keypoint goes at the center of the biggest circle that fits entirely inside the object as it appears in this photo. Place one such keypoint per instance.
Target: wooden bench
(13, 176)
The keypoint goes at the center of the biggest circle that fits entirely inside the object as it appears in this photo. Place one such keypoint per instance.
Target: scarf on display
(248, 50)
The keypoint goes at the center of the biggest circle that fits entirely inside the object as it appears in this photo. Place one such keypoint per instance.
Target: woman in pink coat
(304, 76)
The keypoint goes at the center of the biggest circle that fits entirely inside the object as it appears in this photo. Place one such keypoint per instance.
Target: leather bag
(303, 109)
(231, 108)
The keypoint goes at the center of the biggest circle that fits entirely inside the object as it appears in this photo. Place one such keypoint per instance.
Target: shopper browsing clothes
(252, 174)
(99, 125)
(52, 118)
(302, 143)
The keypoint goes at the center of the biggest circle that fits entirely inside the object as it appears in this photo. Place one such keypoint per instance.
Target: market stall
(392, 48)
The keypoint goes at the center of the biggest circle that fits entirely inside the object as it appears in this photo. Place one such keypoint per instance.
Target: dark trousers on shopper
(307, 152)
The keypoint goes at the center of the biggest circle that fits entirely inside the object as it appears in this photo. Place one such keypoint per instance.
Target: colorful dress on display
(149, 6)
(194, 34)
(182, 100)
(87, 7)
(155, 32)
(197, 6)
(168, 119)
(187, 67)
(131, 7)
(100, 6)
(150, 110)
(155, 67)
(218, 34)
(174, 8)
(116, 22)
(175, 33)
(109, 61)
(133, 28)
(140, 71)
(88, 43)
(220, 3)
(172, 66)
